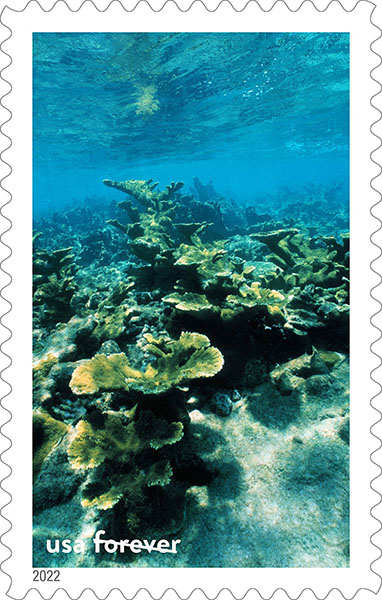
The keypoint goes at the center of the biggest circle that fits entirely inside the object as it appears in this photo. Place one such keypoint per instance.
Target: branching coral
(254, 297)
(53, 285)
(151, 231)
(47, 263)
(144, 191)
(114, 312)
(203, 263)
(249, 300)
(302, 264)
(314, 308)
(136, 464)
(115, 441)
(277, 242)
(155, 240)
(214, 285)
(189, 230)
(175, 364)
(192, 303)
(129, 453)
(208, 282)
(47, 433)
(313, 276)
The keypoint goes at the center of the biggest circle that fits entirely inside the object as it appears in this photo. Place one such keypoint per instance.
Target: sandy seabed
(280, 498)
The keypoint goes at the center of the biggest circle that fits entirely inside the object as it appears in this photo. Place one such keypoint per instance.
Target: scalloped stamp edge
(373, 120)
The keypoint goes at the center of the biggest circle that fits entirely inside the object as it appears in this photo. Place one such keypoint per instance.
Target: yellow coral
(160, 473)
(209, 260)
(112, 324)
(115, 442)
(108, 499)
(145, 193)
(84, 452)
(175, 433)
(277, 242)
(302, 264)
(91, 447)
(275, 311)
(42, 367)
(47, 433)
(177, 362)
(106, 372)
(191, 303)
(151, 232)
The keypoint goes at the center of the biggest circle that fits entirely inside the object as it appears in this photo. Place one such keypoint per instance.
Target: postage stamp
(185, 185)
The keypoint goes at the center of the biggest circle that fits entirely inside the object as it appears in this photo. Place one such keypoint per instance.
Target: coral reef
(151, 230)
(135, 406)
(47, 433)
(207, 281)
(325, 265)
(114, 312)
(130, 452)
(53, 285)
(211, 284)
(115, 442)
(176, 363)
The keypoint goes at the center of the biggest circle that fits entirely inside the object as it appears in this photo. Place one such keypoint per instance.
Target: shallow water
(191, 345)
(251, 112)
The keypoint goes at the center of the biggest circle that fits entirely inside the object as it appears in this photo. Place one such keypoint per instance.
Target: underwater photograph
(191, 300)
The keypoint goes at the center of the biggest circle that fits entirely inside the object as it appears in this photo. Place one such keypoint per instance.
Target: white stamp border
(359, 18)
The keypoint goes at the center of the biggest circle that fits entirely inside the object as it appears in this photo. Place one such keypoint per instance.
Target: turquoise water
(191, 353)
(251, 112)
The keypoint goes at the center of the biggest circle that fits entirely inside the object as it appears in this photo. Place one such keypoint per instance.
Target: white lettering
(79, 546)
(111, 546)
(136, 546)
(174, 545)
(66, 546)
(163, 545)
(149, 546)
(97, 542)
(56, 546)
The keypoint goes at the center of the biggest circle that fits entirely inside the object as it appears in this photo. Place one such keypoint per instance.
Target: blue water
(250, 112)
